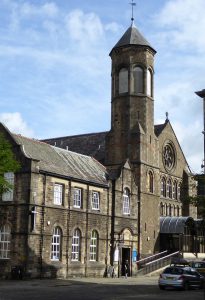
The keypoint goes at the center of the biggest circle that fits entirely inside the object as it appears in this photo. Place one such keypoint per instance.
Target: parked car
(180, 277)
(199, 266)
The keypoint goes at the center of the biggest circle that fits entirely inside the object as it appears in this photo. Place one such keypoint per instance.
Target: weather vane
(132, 4)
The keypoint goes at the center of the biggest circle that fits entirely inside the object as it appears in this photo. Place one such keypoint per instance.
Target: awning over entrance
(174, 224)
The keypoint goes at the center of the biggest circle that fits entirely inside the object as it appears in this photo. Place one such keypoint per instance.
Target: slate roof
(132, 36)
(92, 144)
(159, 128)
(62, 162)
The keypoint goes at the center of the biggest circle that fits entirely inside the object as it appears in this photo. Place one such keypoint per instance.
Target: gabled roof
(61, 162)
(92, 144)
(132, 36)
(159, 129)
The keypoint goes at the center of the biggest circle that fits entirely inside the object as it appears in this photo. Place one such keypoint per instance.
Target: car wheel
(161, 287)
(186, 286)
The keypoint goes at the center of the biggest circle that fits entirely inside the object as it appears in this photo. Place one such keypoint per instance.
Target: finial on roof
(167, 116)
(132, 4)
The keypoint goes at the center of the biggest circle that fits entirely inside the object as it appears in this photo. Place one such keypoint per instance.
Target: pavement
(145, 280)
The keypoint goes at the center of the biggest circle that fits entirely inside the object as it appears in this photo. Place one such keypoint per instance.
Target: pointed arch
(150, 182)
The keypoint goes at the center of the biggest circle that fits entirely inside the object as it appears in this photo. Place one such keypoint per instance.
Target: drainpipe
(42, 227)
(112, 224)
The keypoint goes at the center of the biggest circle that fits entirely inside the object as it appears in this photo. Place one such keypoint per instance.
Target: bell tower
(132, 104)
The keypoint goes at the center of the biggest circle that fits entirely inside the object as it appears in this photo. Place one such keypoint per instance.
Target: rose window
(168, 157)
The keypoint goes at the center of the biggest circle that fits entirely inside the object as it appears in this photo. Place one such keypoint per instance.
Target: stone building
(82, 203)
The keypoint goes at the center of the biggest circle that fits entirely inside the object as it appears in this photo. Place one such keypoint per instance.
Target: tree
(198, 200)
(8, 163)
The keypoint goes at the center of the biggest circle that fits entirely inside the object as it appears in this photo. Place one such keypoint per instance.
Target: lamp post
(201, 94)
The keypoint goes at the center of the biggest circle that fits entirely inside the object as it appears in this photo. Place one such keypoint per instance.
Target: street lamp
(201, 94)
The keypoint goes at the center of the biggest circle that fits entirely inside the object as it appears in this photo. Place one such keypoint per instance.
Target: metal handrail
(157, 264)
(151, 257)
(162, 258)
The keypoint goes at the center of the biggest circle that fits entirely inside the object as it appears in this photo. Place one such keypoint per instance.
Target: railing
(145, 260)
(157, 264)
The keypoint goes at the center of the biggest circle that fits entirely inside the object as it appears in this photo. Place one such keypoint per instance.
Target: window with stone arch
(161, 209)
(94, 246)
(150, 182)
(149, 82)
(5, 241)
(76, 245)
(126, 201)
(175, 190)
(178, 211)
(179, 191)
(56, 244)
(163, 187)
(138, 76)
(123, 81)
(169, 188)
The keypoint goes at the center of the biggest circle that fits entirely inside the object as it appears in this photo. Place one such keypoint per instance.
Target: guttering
(75, 179)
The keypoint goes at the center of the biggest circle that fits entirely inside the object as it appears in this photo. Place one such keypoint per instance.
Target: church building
(85, 202)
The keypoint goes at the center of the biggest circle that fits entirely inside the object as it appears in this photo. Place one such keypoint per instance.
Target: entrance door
(125, 259)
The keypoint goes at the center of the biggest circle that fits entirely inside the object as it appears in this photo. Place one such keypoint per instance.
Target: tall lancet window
(123, 81)
(149, 82)
(138, 75)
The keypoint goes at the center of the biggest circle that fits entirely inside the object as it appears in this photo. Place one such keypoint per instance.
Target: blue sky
(55, 65)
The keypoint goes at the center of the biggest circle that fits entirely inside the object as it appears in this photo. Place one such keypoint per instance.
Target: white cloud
(113, 27)
(49, 9)
(191, 141)
(16, 124)
(184, 23)
(84, 27)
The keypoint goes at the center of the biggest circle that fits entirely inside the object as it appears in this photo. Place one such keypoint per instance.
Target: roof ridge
(72, 136)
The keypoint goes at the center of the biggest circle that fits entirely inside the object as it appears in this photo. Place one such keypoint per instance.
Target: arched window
(170, 210)
(175, 190)
(150, 182)
(149, 82)
(5, 240)
(169, 188)
(94, 246)
(178, 211)
(76, 240)
(179, 192)
(161, 209)
(167, 209)
(56, 244)
(163, 187)
(126, 202)
(138, 75)
(8, 196)
(123, 81)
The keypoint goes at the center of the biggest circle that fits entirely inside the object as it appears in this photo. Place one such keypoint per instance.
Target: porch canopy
(175, 224)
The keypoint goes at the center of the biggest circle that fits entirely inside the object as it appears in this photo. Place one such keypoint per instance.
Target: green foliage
(8, 163)
(199, 202)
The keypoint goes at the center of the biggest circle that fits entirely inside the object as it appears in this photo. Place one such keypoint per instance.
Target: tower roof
(132, 36)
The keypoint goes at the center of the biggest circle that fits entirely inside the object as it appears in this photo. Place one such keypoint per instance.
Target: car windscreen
(198, 265)
(174, 271)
